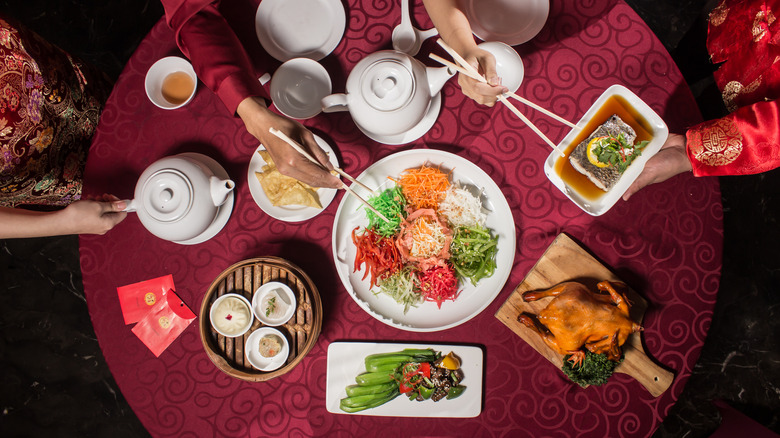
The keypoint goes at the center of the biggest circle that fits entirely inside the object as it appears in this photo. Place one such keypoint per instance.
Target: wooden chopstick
(303, 152)
(471, 72)
(542, 110)
(347, 176)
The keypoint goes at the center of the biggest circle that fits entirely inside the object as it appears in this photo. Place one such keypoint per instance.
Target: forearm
(19, 223)
(452, 24)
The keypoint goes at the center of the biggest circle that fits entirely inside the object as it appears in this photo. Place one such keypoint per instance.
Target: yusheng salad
(435, 239)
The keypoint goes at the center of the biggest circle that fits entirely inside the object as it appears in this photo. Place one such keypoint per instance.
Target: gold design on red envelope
(718, 144)
(718, 15)
(164, 322)
(150, 298)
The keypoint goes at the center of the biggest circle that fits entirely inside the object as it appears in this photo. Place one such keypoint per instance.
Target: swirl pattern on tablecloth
(666, 242)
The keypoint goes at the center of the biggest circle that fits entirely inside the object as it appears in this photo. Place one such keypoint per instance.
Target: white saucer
(284, 292)
(416, 132)
(252, 348)
(510, 21)
(300, 28)
(288, 213)
(224, 211)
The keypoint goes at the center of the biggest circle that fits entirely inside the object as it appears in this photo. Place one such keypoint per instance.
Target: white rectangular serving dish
(657, 129)
(346, 361)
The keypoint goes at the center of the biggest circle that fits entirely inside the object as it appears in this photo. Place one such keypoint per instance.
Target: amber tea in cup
(177, 87)
(171, 82)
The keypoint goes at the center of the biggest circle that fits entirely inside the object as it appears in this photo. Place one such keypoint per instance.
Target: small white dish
(300, 28)
(288, 213)
(509, 21)
(252, 350)
(280, 290)
(654, 125)
(237, 305)
(298, 86)
(509, 65)
(420, 129)
(157, 74)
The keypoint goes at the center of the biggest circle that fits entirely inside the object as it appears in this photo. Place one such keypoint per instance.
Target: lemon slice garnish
(450, 362)
(594, 160)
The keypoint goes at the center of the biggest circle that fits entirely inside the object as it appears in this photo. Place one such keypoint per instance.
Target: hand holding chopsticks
(344, 186)
(468, 70)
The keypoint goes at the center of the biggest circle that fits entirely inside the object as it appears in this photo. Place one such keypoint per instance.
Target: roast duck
(577, 318)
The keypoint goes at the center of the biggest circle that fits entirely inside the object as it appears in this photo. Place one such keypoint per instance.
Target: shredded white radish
(428, 238)
(461, 208)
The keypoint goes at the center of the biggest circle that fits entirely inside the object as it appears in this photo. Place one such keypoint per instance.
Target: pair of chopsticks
(344, 186)
(468, 70)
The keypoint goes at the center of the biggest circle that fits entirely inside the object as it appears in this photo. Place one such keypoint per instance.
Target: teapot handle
(130, 206)
(334, 102)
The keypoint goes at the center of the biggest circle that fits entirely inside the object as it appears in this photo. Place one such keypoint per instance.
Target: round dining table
(665, 242)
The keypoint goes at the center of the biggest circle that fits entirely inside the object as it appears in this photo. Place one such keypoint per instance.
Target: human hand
(92, 216)
(258, 120)
(482, 93)
(671, 160)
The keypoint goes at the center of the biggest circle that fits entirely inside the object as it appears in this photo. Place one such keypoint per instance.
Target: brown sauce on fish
(614, 105)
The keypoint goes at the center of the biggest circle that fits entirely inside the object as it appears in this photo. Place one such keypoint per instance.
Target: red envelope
(138, 298)
(164, 323)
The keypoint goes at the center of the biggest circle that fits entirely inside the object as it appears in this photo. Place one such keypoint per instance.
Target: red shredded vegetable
(438, 284)
(379, 253)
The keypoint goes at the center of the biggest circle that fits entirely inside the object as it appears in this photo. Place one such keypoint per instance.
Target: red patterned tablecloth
(666, 242)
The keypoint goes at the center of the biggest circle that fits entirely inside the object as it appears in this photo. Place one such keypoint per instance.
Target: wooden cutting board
(563, 261)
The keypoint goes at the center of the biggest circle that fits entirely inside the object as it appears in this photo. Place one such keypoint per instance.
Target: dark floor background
(53, 378)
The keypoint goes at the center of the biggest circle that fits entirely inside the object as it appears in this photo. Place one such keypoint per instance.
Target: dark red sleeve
(744, 142)
(217, 55)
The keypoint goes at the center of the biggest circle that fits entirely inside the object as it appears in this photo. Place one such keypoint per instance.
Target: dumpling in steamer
(231, 316)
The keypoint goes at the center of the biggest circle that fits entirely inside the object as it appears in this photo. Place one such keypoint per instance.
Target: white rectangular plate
(346, 361)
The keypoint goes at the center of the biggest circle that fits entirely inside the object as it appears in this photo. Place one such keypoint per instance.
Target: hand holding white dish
(274, 303)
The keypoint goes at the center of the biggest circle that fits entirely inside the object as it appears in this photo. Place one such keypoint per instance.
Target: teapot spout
(437, 77)
(220, 189)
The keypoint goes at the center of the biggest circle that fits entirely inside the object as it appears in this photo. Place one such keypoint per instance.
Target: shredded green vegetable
(473, 252)
(392, 205)
(400, 286)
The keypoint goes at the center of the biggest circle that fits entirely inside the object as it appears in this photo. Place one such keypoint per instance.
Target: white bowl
(509, 66)
(298, 86)
(157, 74)
(239, 331)
(252, 350)
(654, 125)
(284, 292)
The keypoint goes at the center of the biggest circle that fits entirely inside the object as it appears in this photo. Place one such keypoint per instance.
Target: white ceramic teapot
(178, 198)
(388, 92)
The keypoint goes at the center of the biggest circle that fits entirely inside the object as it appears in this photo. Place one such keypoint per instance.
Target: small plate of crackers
(285, 198)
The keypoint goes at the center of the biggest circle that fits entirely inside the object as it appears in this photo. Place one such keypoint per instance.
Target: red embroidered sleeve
(217, 55)
(742, 143)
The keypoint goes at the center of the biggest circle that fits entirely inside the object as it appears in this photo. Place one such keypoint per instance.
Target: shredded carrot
(423, 187)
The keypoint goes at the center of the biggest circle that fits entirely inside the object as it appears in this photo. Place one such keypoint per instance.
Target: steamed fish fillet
(603, 177)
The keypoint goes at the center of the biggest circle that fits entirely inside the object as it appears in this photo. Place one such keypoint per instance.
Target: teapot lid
(387, 85)
(167, 195)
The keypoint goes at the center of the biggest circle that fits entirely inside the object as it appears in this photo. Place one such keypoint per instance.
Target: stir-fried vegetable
(594, 370)
(415, 372)
(402, 288)
(378, 253)
(423, 187)
(474, 253)
(438, 284)
(392, 205)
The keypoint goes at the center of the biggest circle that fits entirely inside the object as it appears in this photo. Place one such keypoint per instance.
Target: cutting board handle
(654, 378)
